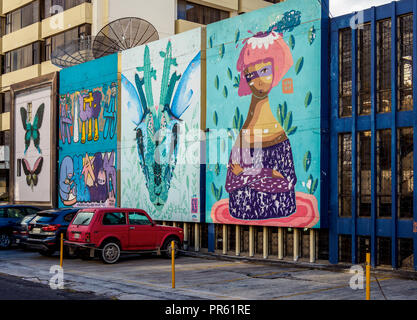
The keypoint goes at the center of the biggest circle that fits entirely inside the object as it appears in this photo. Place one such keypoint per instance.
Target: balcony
(4, 121)
(67, 19)
(228, 5)
(20, 75)
(10, 5)
(48, 67)
(250, 5)
(4, 154)
(22, 37)
(184, 25)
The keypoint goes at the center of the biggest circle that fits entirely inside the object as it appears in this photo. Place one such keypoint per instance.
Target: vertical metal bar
(296, 245)
(312, 245)
(251, 241)
(238, 240)
(265, 242)
(354, 138)
(186, 235)
(415, 126)
(225, 239)
(373, 134)
(197, 237)
(211, 238)
(394, 102)
(280, 243)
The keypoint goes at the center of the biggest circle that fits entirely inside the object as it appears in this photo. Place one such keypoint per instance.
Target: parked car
(20, 230)
(44, 231)
(106, 232)
(10, 217)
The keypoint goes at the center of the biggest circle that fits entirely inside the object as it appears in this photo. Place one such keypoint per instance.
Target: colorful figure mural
(88, 141)
(264, 183)
(152, 130)
(32, 136)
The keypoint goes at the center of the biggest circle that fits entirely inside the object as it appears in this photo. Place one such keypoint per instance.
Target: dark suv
(10, 217)
(44, 231)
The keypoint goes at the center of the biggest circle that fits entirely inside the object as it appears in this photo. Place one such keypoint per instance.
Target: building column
(312, 245)
(280, 243)
(296, 244)
(164, 223)
(225, 239)
(265, 242)
(186, 231)
(174, 224)
(238, 240)
(196, 237)
(251, 241)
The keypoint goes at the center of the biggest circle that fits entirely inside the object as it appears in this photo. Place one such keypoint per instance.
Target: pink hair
(278, 53)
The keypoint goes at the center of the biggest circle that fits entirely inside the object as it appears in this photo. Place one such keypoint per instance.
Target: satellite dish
(122, 34)
(73, 53)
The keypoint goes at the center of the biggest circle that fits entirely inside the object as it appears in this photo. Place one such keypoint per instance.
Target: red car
(107, 232)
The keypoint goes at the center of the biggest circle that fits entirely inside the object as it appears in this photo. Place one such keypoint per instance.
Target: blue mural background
(298, 112)
(88, 160)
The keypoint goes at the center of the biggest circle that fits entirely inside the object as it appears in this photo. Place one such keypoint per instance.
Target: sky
(341, 7)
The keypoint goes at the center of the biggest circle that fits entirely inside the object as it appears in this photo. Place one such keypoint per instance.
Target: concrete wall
(88, 134)
(161, 14)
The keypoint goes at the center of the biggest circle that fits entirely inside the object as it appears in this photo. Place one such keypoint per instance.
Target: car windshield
(83, 218)
(44, 217)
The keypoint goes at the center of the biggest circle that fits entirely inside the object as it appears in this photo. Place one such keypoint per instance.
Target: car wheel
(5, 241)
(110, 252)
(47, 253)
(167, 247)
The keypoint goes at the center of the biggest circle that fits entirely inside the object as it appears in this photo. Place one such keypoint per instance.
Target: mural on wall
(32, 134)
(263, 87)
(157, 174)
(87, 135)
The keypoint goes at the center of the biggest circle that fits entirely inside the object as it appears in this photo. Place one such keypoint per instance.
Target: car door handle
(132, 228)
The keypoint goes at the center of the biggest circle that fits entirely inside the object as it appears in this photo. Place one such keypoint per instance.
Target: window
(405, 253)
(364, 174)
(384, 173)
(345, 248)
(15, 213)
(23, 57)
(114, 218)
(69, 217)
(384, 66)
(345, 73)
(52, 7)
(65, 38)
(405, 62)
(31, 210)
(364, 70)
(405, 173)
(5, 138)
(364, 245)
(23, 17)
(200, 14)
(138, 218)
(3, 213)
(345, 175)
(383, 251)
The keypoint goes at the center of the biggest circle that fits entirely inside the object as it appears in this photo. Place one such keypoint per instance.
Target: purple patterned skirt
(255, 194)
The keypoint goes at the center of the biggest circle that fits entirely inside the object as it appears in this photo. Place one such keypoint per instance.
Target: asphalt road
(14, 288)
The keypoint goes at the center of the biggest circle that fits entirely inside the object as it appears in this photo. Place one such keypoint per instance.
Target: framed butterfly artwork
(33, 143)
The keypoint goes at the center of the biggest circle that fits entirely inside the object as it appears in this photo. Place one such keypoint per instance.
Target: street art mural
(263, 94)
(158, 173)
(32, 143)
(87, 134)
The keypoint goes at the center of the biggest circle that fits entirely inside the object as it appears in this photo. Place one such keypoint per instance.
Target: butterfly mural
(157, 125)
(32, 129)
(32, 174)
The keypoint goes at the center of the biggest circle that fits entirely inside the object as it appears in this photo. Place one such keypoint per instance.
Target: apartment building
(32, 29)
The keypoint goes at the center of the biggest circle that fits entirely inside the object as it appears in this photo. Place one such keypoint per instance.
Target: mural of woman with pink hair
(261, 176)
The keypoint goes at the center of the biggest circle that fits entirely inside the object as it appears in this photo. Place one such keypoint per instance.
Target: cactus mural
(263, 82)
(156, 125)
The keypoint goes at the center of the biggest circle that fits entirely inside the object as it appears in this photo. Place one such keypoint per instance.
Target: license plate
(36, 230)
(76, 236)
